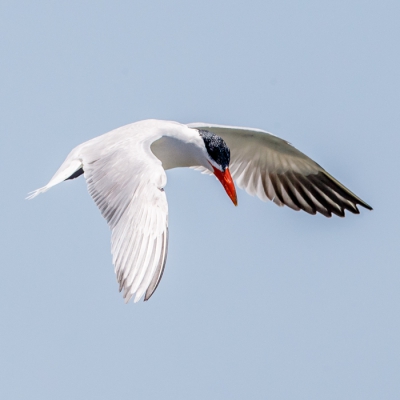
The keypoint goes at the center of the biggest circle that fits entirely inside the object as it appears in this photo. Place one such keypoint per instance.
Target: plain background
(256, 302)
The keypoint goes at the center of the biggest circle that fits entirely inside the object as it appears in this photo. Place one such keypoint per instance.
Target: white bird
(125, 173)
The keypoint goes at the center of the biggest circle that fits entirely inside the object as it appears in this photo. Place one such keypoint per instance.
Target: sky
(256, 301)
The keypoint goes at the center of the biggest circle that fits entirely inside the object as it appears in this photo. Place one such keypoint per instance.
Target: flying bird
(125, 173)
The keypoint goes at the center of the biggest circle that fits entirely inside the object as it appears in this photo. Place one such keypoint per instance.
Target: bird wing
(126, 182)
(271, 168)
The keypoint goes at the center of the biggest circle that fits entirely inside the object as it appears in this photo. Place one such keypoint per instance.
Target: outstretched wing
(270, 168)
(126, 181)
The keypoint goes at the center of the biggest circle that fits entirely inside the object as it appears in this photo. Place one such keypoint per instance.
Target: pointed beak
(227, 182)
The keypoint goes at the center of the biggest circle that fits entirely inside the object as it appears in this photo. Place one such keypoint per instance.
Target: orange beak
(227, 182)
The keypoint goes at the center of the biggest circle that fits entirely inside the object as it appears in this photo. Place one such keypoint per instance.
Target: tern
(125, 174)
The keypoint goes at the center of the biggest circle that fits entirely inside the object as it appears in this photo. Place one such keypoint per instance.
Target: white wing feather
(136, 211)
(126, 181)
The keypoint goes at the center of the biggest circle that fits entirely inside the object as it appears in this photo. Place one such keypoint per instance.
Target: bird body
(125, 174)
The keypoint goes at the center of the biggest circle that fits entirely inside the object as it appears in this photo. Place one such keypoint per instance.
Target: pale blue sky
(256, 301)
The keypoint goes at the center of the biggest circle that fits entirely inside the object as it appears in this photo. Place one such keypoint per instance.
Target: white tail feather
(64, 172)
(36, 192)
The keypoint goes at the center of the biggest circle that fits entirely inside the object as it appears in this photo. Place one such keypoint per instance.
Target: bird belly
(174, 152)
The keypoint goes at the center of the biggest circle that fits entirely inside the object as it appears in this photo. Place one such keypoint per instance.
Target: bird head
(219, 156)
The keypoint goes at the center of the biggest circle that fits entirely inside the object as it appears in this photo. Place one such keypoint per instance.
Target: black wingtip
(367, 206)
(343, 191)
